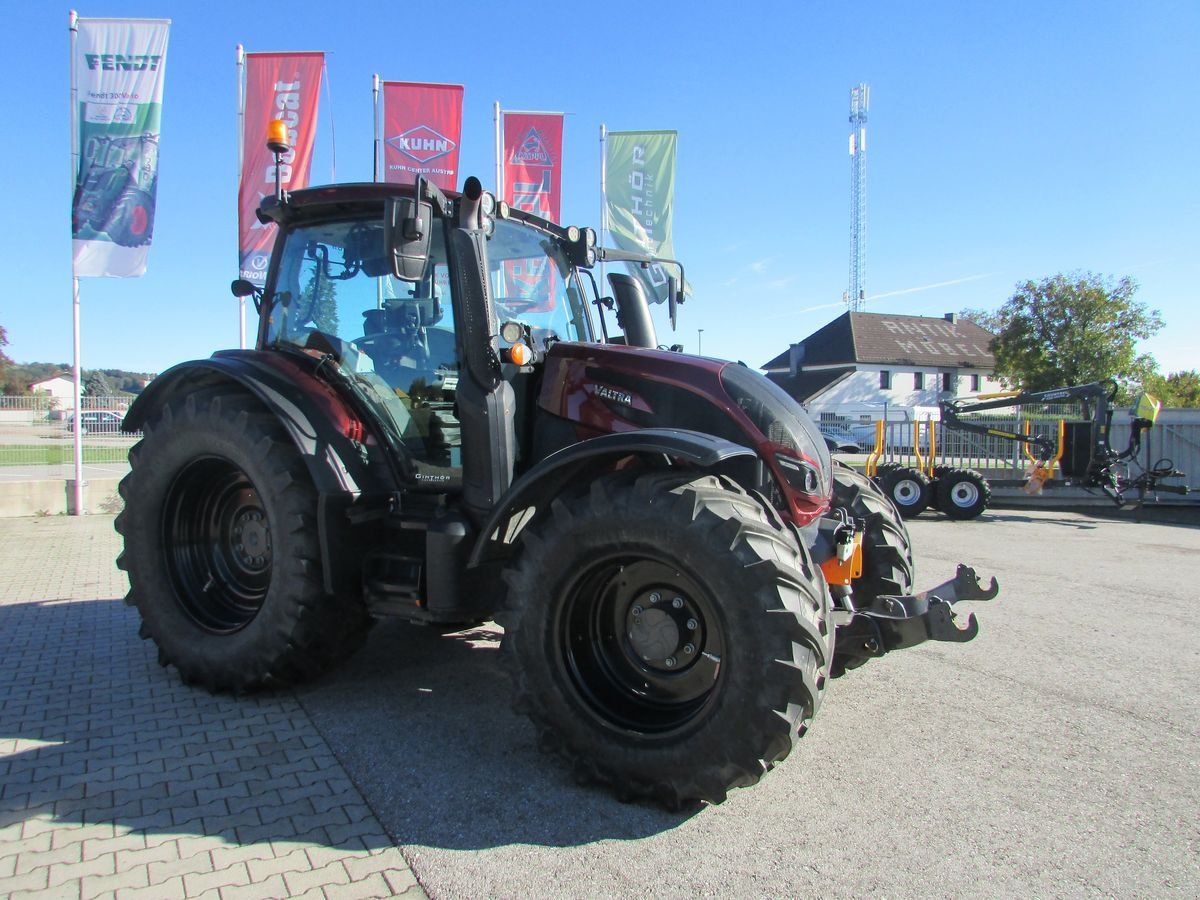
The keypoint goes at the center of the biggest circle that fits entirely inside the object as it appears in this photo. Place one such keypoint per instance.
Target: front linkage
(895, 621)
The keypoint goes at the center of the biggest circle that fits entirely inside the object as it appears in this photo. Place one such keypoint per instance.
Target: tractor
(116, 192)
(436, 424)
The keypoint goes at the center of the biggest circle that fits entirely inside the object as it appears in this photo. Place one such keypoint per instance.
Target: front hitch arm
(893, 622)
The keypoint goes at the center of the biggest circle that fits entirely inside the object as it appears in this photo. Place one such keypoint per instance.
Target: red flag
(422, 130)
(278, 86)
(533, 162)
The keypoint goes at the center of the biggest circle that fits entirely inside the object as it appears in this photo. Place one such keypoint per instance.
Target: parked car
(840, 439)
(96, 421)
(864, 433)
(897, 436)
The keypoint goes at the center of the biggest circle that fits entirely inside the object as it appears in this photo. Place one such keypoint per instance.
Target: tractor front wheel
(887, 548)
(133, 219)
(668, 635)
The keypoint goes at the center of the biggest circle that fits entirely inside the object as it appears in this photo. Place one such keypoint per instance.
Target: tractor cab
(400, 323)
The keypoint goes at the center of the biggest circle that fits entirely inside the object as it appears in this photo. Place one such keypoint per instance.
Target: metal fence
(37, 438)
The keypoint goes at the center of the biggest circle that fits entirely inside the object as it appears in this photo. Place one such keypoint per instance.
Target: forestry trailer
(1081, 450)
(430, 426)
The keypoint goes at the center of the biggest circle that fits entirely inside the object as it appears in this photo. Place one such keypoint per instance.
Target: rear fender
(530, 496)
(319, 422)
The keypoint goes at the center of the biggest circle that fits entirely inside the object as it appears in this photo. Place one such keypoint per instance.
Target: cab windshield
(532, 282)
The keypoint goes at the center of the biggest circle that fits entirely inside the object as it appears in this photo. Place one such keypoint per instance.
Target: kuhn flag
(118, 89)
(278, 86)
(533, 162)
(422, 130)
(640, 195)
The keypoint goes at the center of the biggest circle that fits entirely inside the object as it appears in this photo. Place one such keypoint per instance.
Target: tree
(988, 321)
(1073, 329)
(324, 312)
(96, 384)
(10, 382)
(1177, 389)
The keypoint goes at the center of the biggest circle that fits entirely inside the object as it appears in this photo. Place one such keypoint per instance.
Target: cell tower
(860, 99)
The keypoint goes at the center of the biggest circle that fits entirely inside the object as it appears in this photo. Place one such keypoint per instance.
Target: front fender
(578, 463)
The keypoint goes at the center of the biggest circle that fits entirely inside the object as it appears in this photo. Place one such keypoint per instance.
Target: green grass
(58, 454)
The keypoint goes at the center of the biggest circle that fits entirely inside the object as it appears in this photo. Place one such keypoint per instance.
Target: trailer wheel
(887, 549)
(963, 493)
(221, 549)
(667, 635)
(908, 488)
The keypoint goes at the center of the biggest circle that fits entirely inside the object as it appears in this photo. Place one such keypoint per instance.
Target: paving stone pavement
(117, 781)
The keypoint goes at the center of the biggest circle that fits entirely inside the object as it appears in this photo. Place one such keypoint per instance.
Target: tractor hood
(607, 388)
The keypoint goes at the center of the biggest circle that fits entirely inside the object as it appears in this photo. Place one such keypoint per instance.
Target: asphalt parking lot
(1056, 755)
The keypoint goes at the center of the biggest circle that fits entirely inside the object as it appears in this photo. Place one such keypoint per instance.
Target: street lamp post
(699, 341)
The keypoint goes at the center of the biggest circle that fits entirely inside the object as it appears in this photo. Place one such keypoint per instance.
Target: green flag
(641, 190)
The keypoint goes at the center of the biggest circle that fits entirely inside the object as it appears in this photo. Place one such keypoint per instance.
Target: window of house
(885, 380)
(918, 380)
(947, 381)
(976, 383)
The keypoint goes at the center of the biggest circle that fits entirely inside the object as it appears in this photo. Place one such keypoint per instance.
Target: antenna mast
(859, 102)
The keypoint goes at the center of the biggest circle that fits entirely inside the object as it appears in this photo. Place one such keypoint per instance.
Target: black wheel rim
(642, 644)
(217, 542)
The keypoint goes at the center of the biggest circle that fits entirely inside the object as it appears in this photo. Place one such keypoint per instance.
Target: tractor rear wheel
(963, 493)
(887, 548)
(221, 549)
(908, 488)
(668, 635)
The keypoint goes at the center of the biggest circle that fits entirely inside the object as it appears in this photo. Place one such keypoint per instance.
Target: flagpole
(375, 100)
(375, 177)
(499, 153)
(76, 370)
(603, 198)
(332, 130)
(241, 89)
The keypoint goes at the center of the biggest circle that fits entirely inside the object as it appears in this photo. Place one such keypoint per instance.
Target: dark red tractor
(436, 424)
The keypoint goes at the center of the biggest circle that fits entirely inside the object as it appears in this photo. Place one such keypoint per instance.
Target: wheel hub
(906, 492)
(662, 627)
(964, 494)
(251, 540)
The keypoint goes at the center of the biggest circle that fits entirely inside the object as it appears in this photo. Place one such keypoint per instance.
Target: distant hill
(17, 377)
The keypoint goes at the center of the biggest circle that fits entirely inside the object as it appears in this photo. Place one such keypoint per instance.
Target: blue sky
(1006, 142)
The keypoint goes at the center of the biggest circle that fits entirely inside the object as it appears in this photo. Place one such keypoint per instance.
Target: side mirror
(407, 226)
(243, 288)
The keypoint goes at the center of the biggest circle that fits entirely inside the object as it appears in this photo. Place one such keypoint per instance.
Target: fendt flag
(278, 86)
(640, 195)
(533, 162)
(118, 71)
(422, 131)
